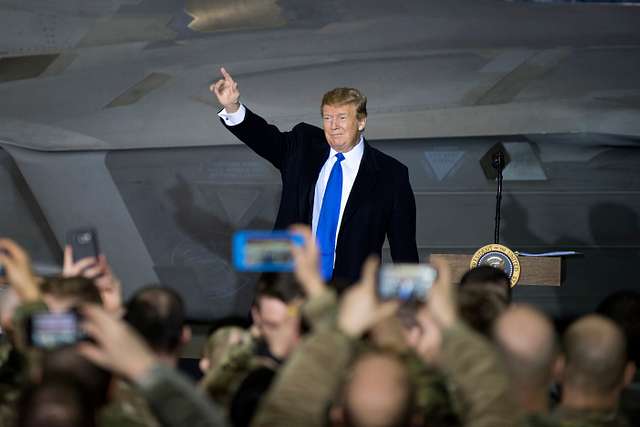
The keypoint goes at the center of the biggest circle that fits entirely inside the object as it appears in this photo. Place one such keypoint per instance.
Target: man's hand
(307, 262)
(441, 300)
(226, 90)
(99, 271)
(18, 271)
(436, 316)
(360, 308)
(115, 345)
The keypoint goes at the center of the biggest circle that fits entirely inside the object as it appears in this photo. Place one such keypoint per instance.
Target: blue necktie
(329, 215)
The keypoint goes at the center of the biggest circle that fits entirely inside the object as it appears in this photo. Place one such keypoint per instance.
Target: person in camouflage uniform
(527, 341)
(595, 373)
(317, 369)
(230, 356)
(234, 356)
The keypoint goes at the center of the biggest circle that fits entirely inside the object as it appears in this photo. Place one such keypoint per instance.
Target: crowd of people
(314, 354)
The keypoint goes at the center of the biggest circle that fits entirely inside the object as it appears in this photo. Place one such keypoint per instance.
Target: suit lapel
(363, 186)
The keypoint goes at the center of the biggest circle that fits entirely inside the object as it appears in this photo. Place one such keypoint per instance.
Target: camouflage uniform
(433, 399)
(307, 383)
(127, 407)
(15, 364)
(221, 382)
(630, 402)
(13, 379)
(176, 402)
(321, 310)
(563, 417)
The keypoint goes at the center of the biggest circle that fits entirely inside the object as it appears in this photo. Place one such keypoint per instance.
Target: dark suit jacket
(381, 200)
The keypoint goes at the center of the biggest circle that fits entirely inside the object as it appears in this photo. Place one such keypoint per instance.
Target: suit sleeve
(263, 138)
(402, 225)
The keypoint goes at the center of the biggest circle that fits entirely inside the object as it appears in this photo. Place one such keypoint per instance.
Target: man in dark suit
(351, 194)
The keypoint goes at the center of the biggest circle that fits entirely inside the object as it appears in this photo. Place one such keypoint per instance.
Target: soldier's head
(344, 116)
(528, 343)
(479, 307)
(158, 314)
(596, 364)
(64, 293)
(489, 278)
(278, 297)
(377, 393)
(67, 363)
(55, 403)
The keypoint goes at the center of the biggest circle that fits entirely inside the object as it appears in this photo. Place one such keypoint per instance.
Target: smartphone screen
(50, 330)
(84, 243)
(264, 251)
(406, 282)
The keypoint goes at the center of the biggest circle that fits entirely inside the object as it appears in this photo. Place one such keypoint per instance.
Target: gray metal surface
(117, 126)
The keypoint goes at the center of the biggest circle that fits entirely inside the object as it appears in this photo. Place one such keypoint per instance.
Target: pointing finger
(226, 75)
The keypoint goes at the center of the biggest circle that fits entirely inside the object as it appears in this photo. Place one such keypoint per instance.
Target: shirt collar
(353, 154)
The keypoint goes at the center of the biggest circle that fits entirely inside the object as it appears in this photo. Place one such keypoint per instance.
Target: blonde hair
(346, 95)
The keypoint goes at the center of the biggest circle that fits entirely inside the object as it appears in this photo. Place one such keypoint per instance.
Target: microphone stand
(498, 164)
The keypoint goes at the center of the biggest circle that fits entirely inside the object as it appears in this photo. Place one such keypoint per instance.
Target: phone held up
(83, 242)
(264, 251)
(405, 282)
(48, 330)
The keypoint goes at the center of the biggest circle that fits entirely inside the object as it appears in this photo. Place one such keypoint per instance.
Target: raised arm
(466, 358)
(263, 138)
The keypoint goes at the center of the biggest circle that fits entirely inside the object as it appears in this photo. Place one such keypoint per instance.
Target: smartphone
(406, 282)
(84, 243)
(50, 330)
(264, 251)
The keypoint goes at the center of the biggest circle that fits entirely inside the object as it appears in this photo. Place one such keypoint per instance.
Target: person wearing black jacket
(375, 200)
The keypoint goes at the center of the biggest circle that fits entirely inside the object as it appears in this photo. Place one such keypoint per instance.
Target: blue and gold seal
(498, 256)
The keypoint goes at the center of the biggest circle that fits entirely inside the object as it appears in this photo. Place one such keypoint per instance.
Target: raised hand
(307, 262)
(360, 308)
(98, 270)
(18, 270)
(226, 90)
(442, 300)
(115, 345)
(434, 317)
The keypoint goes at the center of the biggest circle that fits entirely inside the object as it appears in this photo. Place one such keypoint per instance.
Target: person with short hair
(488, 278)
(158, 314)
(351, 194)
(596, 370)
(527, 341)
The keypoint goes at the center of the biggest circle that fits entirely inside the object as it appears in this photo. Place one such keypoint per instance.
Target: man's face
(341, 126)
(271, 314)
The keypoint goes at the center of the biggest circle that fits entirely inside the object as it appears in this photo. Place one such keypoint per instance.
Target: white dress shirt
(350, 166)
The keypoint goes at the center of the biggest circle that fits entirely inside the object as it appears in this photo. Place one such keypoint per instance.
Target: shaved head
(379, 392)
(527, 339)
(596, 356)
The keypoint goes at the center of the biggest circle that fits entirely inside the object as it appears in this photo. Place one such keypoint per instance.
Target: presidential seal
(498, 256)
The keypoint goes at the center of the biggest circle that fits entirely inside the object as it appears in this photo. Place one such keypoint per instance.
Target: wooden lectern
(538, 271)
